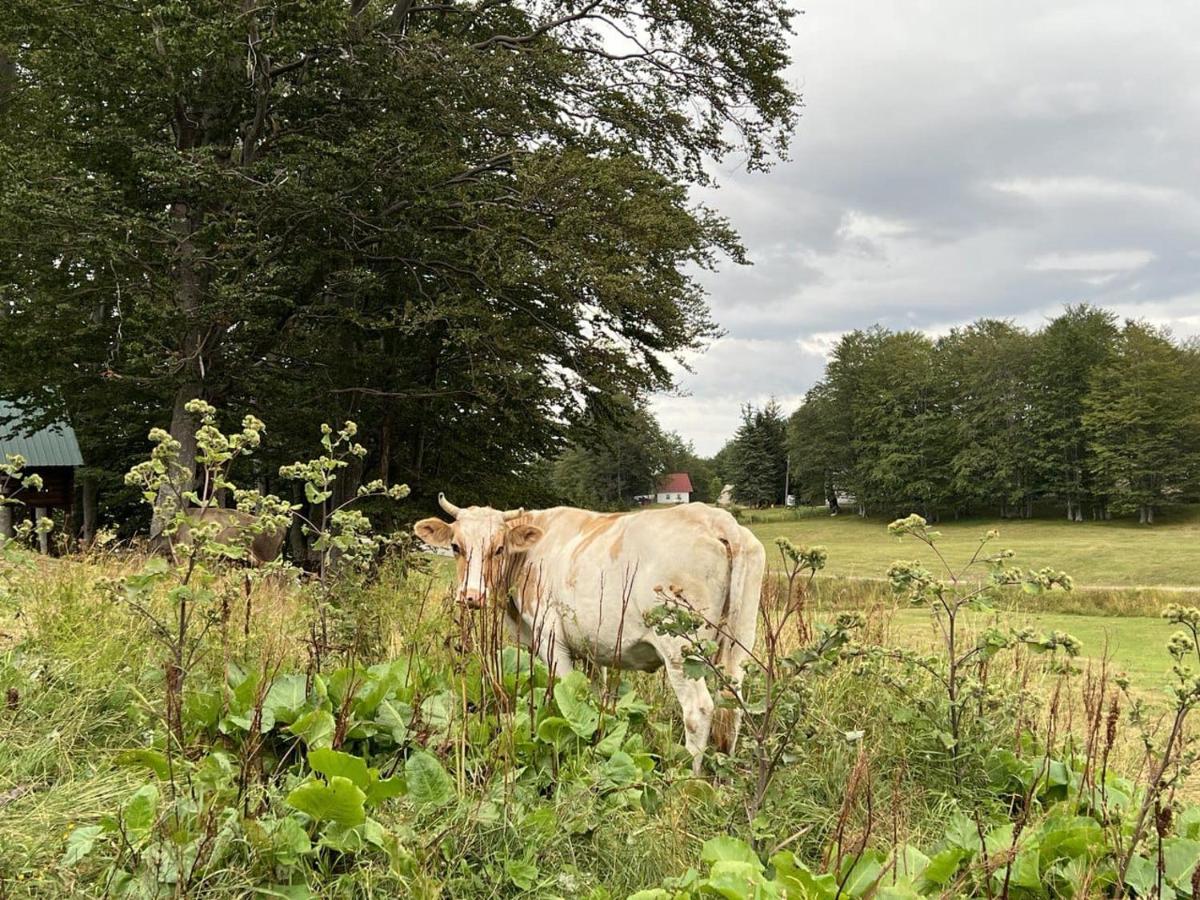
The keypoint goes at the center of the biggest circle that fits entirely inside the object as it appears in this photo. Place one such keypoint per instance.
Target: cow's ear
(434, 532)
(522, 537)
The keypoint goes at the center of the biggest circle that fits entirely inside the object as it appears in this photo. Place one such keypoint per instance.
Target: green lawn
(1119, 553)
(1134, 644)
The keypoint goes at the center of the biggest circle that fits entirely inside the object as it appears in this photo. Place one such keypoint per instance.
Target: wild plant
(345, 548)
(774, 698)
(959, 669)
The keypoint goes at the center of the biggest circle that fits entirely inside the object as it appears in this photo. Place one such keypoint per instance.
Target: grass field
(1133, 644)
(1098, 554)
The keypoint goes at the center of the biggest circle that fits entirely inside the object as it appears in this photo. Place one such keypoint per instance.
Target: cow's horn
(510, 514)
(448, 506)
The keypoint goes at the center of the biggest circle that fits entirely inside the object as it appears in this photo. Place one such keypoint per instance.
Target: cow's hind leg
(694, 700)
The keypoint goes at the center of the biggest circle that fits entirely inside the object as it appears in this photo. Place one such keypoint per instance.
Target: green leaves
(575, 700)
(428, 783)
(139, 811)
(338, 800)
(315, 728)
(336, 764)
(80, 843)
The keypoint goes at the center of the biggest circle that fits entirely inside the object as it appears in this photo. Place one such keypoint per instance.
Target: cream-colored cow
(577, 584)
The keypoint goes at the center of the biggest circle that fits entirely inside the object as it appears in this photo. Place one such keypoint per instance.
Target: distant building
(675, 488)
(52, 453)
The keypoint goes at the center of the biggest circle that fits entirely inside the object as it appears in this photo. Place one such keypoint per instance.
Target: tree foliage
(993, 418)
(623, 455)
(757, 460)
(465, 224)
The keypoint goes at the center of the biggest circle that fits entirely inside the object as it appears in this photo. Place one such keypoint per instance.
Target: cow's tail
(739, 620)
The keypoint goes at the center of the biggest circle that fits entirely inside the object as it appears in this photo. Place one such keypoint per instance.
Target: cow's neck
(515, 564)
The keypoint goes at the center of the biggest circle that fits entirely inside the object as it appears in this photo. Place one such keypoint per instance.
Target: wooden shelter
(51, 452)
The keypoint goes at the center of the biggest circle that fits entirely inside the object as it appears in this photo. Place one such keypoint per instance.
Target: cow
(264, 548)
(576, 585)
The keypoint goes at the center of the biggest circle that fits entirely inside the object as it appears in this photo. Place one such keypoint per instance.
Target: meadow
(414, 755)
(1118, 553)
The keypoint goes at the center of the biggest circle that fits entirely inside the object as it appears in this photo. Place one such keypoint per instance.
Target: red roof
(675, 483)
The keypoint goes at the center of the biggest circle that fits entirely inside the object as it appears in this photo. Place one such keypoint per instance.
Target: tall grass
(83, 683)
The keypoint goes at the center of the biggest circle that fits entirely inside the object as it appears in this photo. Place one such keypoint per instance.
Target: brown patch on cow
(614, 549)
(593, 530)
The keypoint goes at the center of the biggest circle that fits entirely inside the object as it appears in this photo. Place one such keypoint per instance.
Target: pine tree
(759, 456)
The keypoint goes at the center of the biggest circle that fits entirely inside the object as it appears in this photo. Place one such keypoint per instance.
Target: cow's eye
(455, 549)
(500, 550)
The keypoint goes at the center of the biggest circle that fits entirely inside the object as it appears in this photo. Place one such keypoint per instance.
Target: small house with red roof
(674, 488)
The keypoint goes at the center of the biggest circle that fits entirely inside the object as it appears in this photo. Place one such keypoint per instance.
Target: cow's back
(604, 571)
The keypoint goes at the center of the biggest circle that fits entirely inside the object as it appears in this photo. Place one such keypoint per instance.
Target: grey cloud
(954, 161)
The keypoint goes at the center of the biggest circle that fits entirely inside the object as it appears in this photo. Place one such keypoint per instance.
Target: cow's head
(483, 540)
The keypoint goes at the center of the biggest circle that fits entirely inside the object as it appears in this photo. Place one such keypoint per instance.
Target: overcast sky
(956, 160)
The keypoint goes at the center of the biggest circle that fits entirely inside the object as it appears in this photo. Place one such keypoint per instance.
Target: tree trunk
(6, 522)
(1149, 515)
(183, 478)
(188, 290)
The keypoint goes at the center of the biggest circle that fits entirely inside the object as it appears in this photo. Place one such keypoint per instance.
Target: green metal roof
(52, 446)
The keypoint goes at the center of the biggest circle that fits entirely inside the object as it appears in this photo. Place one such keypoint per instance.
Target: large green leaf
(289, 840)
(556, 731)
(728, 848)
(942, 866)
(81, 842)
(333, 763)
(339, 800)
(315, 727)
(910, 862)
(739, 880)
(394, 716)
(154, 760)
(577, 704)
(286, 697)
(428, 783)
(799, 881)
(139, 810)
(620, 770)
(860, 875)
(1180, 856)
(381, 789)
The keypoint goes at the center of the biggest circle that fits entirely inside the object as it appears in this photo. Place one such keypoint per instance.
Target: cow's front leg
(694, 700)
(544, 638)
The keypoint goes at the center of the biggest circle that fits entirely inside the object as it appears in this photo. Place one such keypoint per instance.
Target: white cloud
(1106, 261)
(1085, 189)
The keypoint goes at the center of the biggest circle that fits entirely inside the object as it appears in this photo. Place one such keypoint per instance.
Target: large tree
(987, 366)
(1070, 350)
(1142, 420)
(463, 223)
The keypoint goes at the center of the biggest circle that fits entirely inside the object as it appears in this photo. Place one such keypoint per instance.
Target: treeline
(1085, 415)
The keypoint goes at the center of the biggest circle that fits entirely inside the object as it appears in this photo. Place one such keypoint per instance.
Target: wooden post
(40, 513)
(6, 522)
